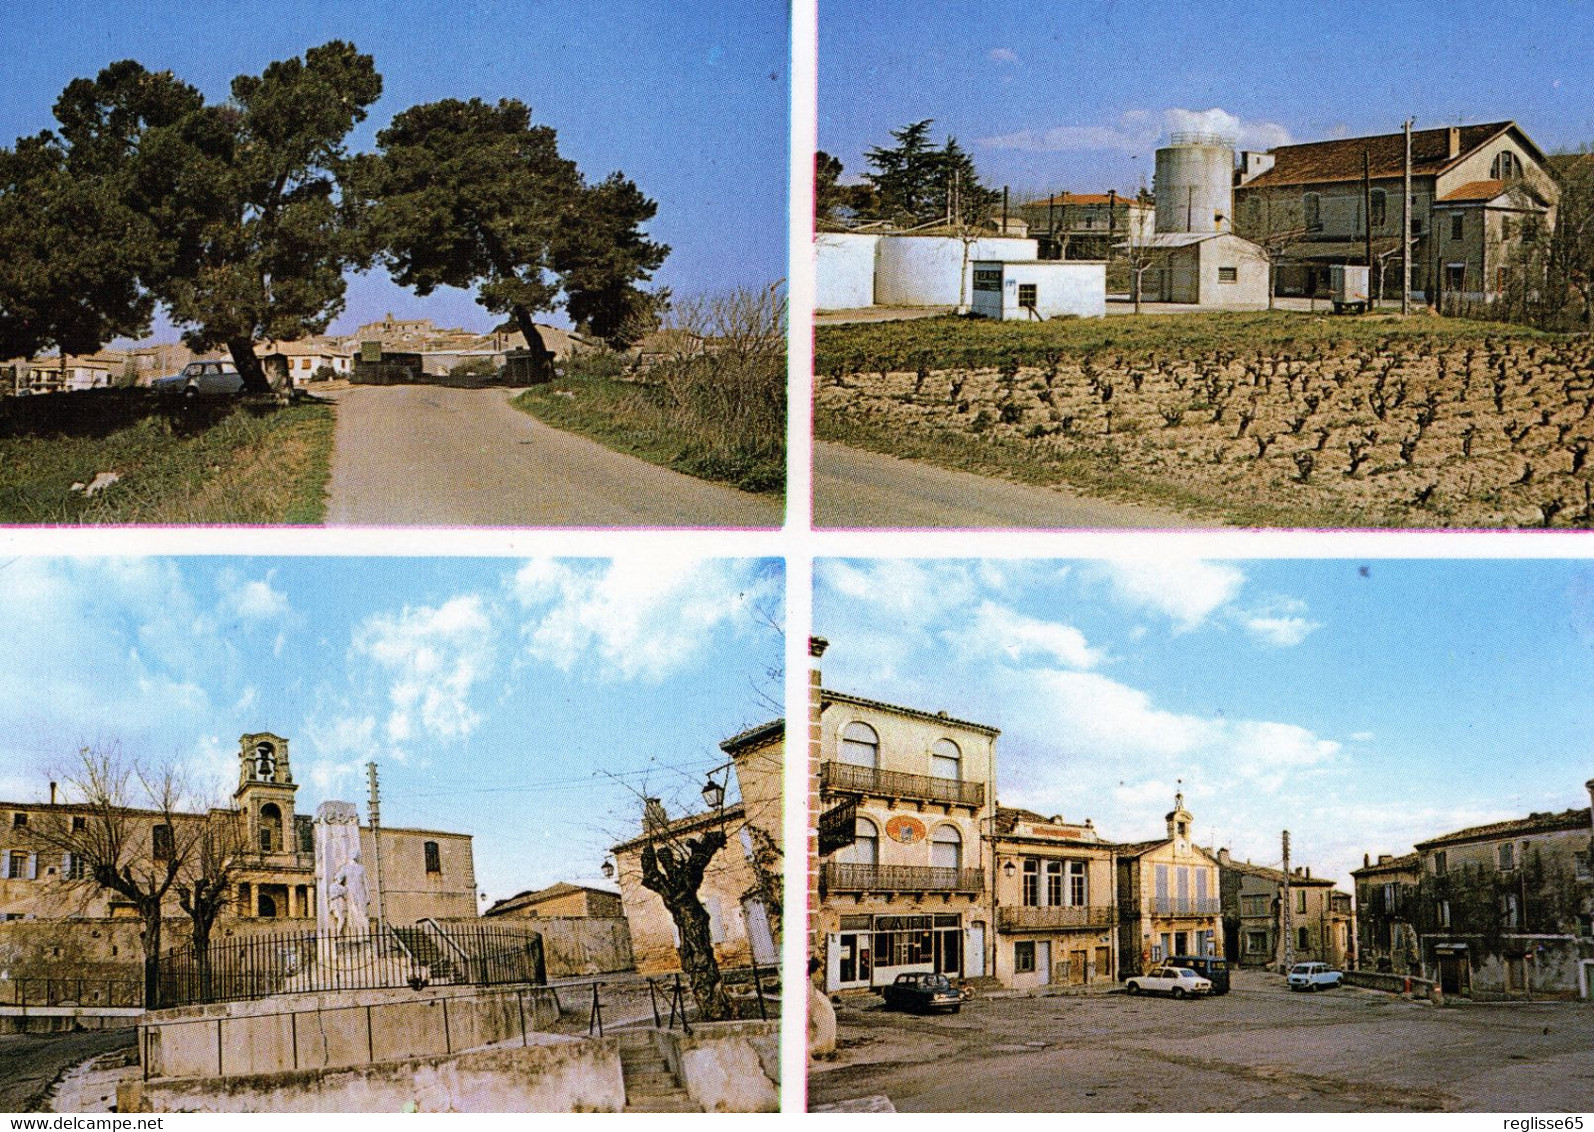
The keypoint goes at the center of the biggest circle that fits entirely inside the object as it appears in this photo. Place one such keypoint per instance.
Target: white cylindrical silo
(1195, 184)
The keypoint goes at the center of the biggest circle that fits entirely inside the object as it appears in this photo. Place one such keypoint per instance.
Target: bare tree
(674, 861)
(124, 830)
(205, 885)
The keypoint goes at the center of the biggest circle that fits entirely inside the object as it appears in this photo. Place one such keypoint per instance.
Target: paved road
(30, 1063)
(854, 488)
(423, 455)
(1261, 1048)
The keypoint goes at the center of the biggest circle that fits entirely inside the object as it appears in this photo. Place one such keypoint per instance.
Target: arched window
(946, 848)
(270, 828)
(946, 761)
(865, 849)
(1507, 166)
(860, 746)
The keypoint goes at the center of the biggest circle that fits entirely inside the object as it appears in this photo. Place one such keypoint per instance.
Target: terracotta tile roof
(559, 888)
(1474, 190)
(828, 696)
(1087, 198)
(1393, 865)
(755, 736)
(1136, 848)
(1341, 159)
(1533, 823)
(1276, 875)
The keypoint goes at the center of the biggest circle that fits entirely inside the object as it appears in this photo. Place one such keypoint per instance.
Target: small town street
(428, 455)
(33, 1062)
(1261, 1048)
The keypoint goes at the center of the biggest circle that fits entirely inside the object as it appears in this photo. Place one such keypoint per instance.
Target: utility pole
(1289, 910)
(376, 842)
(1405, 229)
(1367, 209)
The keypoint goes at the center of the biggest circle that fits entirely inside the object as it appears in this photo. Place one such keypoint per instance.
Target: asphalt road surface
(1261, 1048)
(426, 455)
(854, 488)
(30, 1063)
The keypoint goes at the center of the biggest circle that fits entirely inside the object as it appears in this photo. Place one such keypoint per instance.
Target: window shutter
(66, 866)
(33, 866)
(5, 864)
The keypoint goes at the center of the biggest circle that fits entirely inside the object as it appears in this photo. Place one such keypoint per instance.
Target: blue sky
(497, 696)
(1361, 705)
(1076, 96)
(689, 99)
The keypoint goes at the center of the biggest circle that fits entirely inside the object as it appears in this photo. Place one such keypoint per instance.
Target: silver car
(202, 379)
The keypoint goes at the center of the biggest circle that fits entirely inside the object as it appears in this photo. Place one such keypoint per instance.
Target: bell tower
(265, 793)
(1179, 825)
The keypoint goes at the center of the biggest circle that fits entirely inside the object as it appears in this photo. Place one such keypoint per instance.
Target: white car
(202, 379)
(1314, 976)
(1180, 982)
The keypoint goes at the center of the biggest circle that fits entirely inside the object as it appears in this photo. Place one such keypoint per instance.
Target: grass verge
(715, 418)
(221, 463)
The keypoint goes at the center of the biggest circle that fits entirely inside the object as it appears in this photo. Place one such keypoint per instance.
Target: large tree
(229, 215)
(915, 182)
(1571, 266)
(471, 194)
(673, 865)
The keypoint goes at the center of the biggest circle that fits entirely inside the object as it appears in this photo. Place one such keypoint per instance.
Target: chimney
(1308, 872)
(1589, 786)
(1384, 858)
(1455, 141)
(653, 816)
(1223, 857)
(1367, 861)
(52, 792)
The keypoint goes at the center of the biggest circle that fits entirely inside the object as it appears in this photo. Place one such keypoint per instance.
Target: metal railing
(53, 990)
(307, 962)
(838, 876)
(1185, 906)
(849, 779)
(1018, 918)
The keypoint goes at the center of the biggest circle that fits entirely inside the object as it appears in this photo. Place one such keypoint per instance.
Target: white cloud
(434, 657)
(250, 600)
(1187, 592)
(1282, 632)
(1140, 131)
(1362, 737)
(999, 631)
(636, 618)
(1002, 55)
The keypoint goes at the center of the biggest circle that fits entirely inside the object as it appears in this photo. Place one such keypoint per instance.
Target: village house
(1386, 914)
(1480, 194)
(1086, 225)
(560, 899)
(1053, 889)
(905, 797)
(1253, 898)
(307, 361)
(741, 887)
(1168, 898)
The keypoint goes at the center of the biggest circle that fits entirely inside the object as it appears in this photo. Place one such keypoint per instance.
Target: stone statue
(350, 882)
(342, 894)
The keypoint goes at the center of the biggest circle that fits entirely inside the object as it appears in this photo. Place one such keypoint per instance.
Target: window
(1077, 890)
(1027, 298)
(1508, 910)
(434, 860)
(860, 746)
(1444, 913)
(1303, 939)
(1416, 225)
(1440, 862)
(79, 824)
(1507, 857)
(1300, 899)
(1389, 898)
(946, 761)
(270, 828)
(1508, 227)
(1024, 957)
(1507, 166)
(1380, 208)
(1312, 206)
(1054, 883)
(1457, 225)
(72, 867)
(1032, 882)
(865, 847)
(162, 843)
(1228, 275)
(1253, 906)
(19, 820)
(18, 865)
(946, 848)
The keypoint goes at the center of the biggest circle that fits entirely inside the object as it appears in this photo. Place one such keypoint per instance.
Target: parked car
(1180, 982)
(1314, 976)
(202, 379)
(1209, 967)
(923, 992)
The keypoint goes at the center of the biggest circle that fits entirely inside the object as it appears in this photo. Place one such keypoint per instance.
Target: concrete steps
(649, 1084)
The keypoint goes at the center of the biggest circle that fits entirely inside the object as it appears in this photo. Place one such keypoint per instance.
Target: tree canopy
(471, 194)
(915, 182)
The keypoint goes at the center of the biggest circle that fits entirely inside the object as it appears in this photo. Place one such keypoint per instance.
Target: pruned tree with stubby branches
(673, 866)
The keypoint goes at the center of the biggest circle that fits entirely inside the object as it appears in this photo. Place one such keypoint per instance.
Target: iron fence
(838, 876)
(846, 778)
(306, 962)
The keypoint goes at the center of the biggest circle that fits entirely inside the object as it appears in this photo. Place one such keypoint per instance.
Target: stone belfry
(265, 792)
(1179, 824)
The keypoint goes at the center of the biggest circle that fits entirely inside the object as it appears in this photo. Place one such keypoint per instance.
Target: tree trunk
(248, 365)
(541, 356)
(150, 913)
(697, 959)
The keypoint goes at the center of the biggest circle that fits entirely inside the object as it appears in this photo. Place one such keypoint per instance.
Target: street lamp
(1009, 869)
(713, 794)
(607, 869)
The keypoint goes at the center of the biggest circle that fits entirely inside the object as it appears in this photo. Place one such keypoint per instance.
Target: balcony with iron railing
(1019, 918)
(839, 876)
(1177, 906)
(895, 785)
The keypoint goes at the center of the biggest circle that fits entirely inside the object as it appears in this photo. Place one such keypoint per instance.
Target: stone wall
(584, 945)
(548, 1074)
(290, 1033)
(727, 1066)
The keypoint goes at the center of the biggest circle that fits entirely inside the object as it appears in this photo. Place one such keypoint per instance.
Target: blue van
(1209, 967)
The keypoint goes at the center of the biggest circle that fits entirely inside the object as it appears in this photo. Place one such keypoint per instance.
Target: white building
(1039, 289)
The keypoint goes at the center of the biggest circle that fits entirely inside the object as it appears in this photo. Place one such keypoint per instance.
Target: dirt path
(854, 488)
(421, 455)
(31, 1063)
